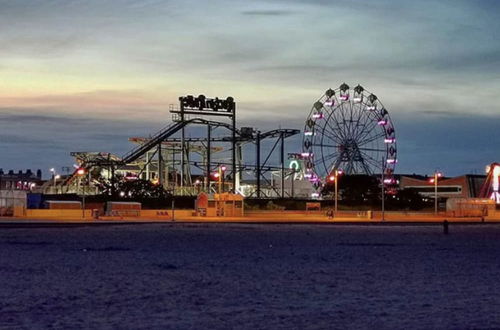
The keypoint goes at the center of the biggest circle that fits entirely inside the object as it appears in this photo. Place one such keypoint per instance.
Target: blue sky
(85, 75)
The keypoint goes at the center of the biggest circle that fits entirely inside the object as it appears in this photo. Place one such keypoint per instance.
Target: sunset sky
(85, 75)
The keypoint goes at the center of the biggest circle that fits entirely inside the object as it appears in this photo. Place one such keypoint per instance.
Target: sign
(202, 103)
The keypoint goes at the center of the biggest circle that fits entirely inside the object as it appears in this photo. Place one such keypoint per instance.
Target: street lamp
(334, 177)
(435, 180)
(55, 177)
(81, 173)
(222, 172)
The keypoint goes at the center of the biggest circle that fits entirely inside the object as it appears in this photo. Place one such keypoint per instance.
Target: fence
(11, 199)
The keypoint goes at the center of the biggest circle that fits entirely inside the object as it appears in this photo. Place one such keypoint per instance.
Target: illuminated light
(382, 122)
(344, 97)
(318, 115)
(390, 140)
(57, 177)
(223, 168)
(496, 183)
(331, 178)
(315, 195)
(308, 175)
(52, 169)
(80, 171)
(371, 107)
(392, 161)
(388, 181)
(216, 175)
(309, 133)
(340, 172)
(314, 179)
(439, 174)
(306, 154)
(330, 103)
(122, 193)
(431, 180)
(357, 99)
(197, 182)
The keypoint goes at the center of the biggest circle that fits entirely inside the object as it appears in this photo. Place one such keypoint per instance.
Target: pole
(383, 189)
(83, 200)
(435, 193)
(160, 166)
(173, 208)
(182, 151)
(282, 159)
(233, 138)
(336, 190)
(209, 133)
(257, 162)
(220, 174)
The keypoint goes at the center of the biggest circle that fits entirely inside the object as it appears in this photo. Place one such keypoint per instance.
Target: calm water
(250, 276)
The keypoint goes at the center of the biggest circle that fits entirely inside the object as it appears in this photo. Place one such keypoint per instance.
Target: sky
(86, 75)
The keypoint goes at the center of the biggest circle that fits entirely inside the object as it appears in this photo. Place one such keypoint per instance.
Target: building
(27, 181)
(465, 186)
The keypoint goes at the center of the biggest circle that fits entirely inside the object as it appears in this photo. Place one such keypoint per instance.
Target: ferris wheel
(348, 130)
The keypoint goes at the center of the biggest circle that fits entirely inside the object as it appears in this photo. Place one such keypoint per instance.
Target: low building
(220, 205)
(465, 186)
(27, 181)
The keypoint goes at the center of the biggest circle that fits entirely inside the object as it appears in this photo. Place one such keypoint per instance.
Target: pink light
(388, 181)
(392, 161)
(382, 122)
(306, 154)
(390, 140)
(308, 133)
(357, 99)
(317, 115)
(371, 107)
(344, 97)
(308, 175)
(315, 195)
(329, 103)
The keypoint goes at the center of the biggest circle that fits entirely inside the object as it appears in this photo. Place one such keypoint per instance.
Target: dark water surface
(218, 276)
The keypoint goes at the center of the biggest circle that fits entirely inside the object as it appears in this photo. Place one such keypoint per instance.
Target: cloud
(267, 12)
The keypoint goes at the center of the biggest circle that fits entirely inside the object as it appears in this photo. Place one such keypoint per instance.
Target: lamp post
(335, 178)
(55, 177)
(434, 180)
(222, 175)
(81, 173)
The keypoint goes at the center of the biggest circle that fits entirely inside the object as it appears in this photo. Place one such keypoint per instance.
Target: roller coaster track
(156, 139)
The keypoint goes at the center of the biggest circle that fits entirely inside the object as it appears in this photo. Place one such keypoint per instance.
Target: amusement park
(203, 165)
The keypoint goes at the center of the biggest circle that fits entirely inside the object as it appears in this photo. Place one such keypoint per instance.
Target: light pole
(81, 173)
(222, 174)
(435, 180)
(335, 178)
(55, 177)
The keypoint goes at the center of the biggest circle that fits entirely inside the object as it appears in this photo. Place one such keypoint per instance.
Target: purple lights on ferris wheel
(306, 154)
(336, 142)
